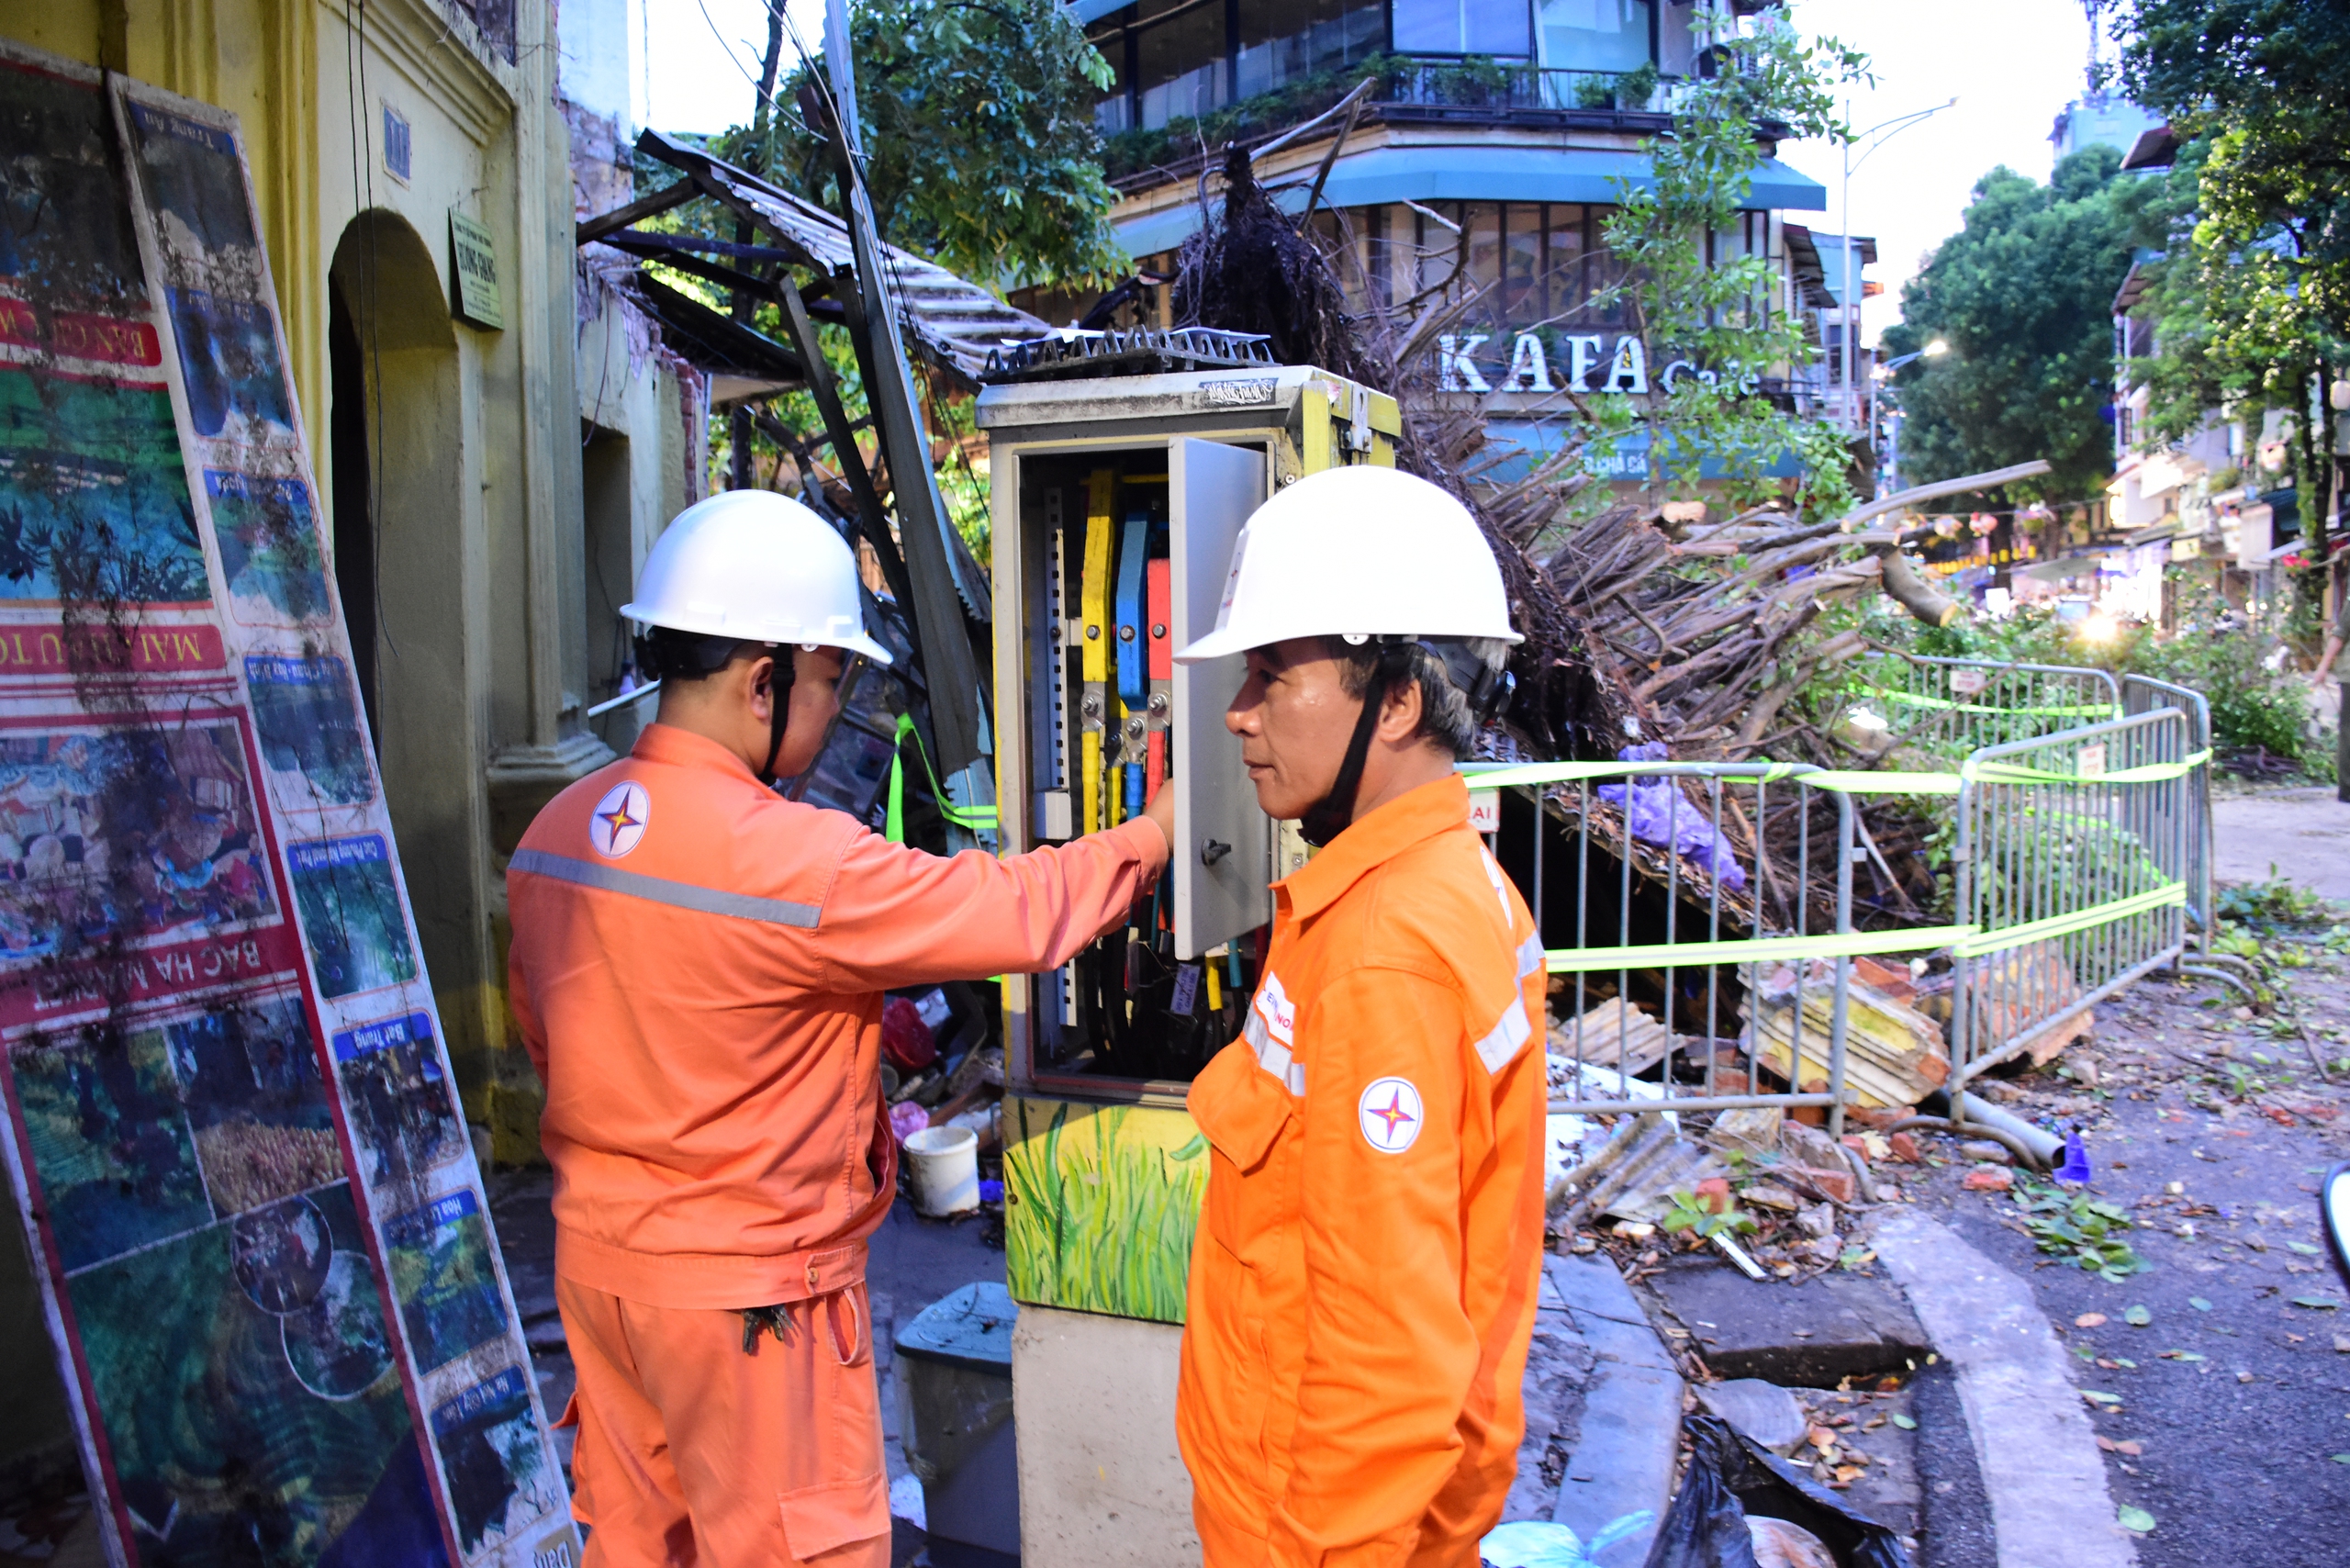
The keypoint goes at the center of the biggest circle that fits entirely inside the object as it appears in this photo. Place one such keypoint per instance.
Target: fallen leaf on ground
(2138, 1317)
(2100, 1397)
(2089, 1320)
(2303, 1248)
(2316, 1303)
(2135, 1519)
(2199, 1304)
(1906, 1423)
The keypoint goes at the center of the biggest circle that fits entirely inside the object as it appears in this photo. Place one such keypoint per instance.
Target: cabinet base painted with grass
(1101, 1203)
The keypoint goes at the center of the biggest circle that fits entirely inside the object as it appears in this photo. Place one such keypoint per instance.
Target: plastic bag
(907, 1043)
(1731, 1475)
(1538, 1543)
(1658, 813)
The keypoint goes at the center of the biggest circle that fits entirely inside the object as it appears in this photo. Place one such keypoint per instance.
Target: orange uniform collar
(682, 749)
(1370, 842)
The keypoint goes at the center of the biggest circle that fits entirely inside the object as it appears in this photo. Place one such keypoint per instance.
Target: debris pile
(937, 1069)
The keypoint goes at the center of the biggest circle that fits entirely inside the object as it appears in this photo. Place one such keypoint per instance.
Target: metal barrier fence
(2073, 869)
(1651, 901)
(1955, 706)
(2143, 694)
(1701, 914)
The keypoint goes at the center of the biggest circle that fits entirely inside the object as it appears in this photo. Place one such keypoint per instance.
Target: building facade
(1498, 139)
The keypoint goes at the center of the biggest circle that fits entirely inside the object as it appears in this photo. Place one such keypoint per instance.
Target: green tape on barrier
(2151, 773)
(1919, 699)
(1760, 950)
(1535, 774)
(2067, 924)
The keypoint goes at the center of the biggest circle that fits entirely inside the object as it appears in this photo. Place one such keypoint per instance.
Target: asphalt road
(2237, 1397)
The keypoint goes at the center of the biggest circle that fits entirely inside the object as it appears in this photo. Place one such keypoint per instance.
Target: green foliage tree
(1711, 312)
(2023, 295)
(980, 147)
(2253, 304)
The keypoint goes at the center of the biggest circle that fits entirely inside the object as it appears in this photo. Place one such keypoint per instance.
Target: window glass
(1594, 35)
(1439, 247)
(1497, 26)
(1462, 27)
(1483, 222)
(1566, 291)
(1281, 42)
(1522, 292)
(1179, 65)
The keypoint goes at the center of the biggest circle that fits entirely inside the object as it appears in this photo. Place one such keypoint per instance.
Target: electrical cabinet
(1116, 502)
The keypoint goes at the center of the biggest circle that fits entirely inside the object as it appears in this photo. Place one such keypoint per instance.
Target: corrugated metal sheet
(951, 321)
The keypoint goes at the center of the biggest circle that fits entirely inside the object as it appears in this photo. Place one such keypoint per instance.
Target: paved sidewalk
(2301, 834)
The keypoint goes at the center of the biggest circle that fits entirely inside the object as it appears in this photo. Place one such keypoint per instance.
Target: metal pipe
(1972, 1110)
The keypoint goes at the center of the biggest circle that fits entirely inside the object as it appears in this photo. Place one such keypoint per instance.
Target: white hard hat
(1359, 551)
(753, 565)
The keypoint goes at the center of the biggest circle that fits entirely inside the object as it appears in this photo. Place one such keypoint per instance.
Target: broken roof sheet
(952, 321)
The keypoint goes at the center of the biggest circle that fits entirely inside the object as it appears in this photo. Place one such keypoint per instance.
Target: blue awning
(1378, 176)
(1088, 12)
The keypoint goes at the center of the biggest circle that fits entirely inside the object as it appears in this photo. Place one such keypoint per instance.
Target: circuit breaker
(1117, 500)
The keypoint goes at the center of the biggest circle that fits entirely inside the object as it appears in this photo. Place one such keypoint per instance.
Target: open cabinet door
(1222, 842)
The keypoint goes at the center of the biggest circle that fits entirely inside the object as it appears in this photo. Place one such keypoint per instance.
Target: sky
(2011, 64)
(701, 58)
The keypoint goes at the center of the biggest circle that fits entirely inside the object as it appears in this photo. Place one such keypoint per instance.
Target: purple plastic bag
(1659, 813)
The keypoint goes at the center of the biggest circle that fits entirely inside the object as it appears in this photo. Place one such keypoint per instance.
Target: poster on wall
(230, 1128)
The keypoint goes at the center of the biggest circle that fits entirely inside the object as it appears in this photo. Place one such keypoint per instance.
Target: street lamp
(1934, 350)
(1849, 306)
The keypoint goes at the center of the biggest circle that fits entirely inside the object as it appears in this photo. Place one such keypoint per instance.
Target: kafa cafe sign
(1584, 355)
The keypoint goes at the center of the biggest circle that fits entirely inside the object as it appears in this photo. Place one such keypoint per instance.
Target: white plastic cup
(943, 1171)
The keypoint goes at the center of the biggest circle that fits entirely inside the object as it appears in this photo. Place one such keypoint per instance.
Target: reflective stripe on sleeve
(1506, 1038)
(1530, 958)
(659, 890)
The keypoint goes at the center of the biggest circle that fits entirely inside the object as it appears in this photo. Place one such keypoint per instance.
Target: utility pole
(754, 158)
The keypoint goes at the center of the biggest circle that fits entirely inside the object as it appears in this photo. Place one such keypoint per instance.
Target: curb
(2033, 1445)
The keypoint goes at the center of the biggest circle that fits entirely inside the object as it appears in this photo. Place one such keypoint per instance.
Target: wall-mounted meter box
(1117, 500)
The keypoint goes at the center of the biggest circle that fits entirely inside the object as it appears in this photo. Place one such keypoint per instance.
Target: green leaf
(1906, 1423)
(2199, 1304)
(2138, 1317)
(2342, 1459)
(2316, 1303)
(2303, 1248)
(2100, 1397)
(2135, 1519)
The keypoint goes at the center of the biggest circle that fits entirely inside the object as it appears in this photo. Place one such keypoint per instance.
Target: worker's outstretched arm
(1390, 1353)
(895, 916)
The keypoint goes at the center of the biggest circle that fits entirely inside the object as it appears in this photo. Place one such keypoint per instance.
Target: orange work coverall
(698, 967)
(1362, 1286)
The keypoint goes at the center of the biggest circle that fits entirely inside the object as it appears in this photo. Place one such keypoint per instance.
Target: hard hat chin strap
(1329, 816)
(779, 679)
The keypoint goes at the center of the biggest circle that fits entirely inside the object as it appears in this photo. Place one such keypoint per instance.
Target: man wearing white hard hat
(697, 970)
(1362, 1286)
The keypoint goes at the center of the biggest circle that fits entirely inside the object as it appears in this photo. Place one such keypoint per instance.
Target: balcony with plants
(1196, 75)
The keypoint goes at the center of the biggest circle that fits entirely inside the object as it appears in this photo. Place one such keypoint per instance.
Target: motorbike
(2334, 1216)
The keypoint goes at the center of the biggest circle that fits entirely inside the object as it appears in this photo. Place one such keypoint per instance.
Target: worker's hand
(1162, 811)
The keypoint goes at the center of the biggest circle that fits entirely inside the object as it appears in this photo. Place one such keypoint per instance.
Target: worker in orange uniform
(1362, 1286)
(698, 968)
